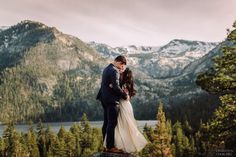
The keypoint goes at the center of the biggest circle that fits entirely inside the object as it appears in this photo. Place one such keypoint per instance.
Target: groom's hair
(121, 59)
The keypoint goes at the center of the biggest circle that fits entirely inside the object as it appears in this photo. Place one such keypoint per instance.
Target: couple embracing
(120, 131)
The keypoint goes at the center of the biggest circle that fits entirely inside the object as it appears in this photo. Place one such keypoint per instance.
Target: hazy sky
(125, 22)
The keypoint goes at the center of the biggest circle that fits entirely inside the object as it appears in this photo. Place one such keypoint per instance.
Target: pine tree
(86, 140)
(75, 130)
(49, 135)
(1, 147)
(221, 80)
(184, 145)
(31, 142)
(148, 132)
(61, 133)
(192, 149)
(56, 148)
(61, 136)
(161, 145)
(13, 147)
(202, 140)
(178, 139)
(70, 142)
(162, 135)
(187, 129)
(41, 139)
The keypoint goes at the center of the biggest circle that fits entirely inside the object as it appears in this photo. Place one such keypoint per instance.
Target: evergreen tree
(192, 149)
(162, 135)
(56, 148)
(161, 145)
(148, 132)
(49, 136)
(13, 147)
(221, 80)
(1, 147)
(31, 142)
(75, 130)
(178, 139)
(61, 133)
(202, 140)
(187, 129)
(68, 141)
(41, 139)
(86, 140)
(183, 146)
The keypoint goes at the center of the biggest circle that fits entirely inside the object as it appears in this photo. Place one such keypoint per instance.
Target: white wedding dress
(127, 136)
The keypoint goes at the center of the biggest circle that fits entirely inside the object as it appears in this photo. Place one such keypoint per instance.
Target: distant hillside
(33, 59)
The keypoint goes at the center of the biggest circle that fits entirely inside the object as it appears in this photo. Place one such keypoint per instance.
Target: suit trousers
(111, 111)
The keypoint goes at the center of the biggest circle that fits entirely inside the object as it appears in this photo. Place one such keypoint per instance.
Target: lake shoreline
(55, 126)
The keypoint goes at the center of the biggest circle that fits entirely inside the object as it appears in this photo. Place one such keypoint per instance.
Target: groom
(109, 98)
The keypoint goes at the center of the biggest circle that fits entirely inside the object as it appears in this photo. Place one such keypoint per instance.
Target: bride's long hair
(128, 81)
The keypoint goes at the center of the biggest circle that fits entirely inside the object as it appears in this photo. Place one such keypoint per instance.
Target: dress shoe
(105, 149)
(114, 150)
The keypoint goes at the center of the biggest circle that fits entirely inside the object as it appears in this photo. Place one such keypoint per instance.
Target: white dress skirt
(127, 135)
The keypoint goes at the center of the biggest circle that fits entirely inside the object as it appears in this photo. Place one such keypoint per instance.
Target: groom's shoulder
(111, 68)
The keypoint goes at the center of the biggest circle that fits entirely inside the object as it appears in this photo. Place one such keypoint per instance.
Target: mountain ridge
(47, 62)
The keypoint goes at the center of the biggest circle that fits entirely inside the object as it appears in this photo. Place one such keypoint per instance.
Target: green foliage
(31, 143)
(221, 80)
(183, 146)
(161, 144)
(148, 133)
(223, 124)
(88, 143)
(80, 141)
(12, 145)
(41, 139)
(23, 97)
(19, 89)
(167, 140)
(1, 147)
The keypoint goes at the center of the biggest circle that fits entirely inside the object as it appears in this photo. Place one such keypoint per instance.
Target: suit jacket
(107, 94)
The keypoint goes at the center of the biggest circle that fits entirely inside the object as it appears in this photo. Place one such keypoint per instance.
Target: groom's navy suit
(109, 98)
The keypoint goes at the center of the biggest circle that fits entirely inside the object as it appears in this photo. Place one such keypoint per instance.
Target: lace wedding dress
(127, 136)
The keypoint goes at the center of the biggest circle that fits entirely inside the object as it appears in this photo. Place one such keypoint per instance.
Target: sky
(127, 22)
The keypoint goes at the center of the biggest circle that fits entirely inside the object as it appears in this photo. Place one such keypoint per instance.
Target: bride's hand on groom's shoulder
(110, 85)
(126, 91)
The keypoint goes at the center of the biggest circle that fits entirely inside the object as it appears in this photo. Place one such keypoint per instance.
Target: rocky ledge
(106, 154)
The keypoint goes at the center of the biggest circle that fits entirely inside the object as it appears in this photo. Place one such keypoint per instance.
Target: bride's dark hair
(127, 80)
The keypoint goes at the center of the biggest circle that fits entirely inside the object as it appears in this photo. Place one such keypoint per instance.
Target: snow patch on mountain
(164, 61)
(2, 28)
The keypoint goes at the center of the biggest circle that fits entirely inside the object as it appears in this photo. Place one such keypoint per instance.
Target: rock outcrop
(106, 154)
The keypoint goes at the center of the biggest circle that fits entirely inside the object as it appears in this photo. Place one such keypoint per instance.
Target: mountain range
(39, 55)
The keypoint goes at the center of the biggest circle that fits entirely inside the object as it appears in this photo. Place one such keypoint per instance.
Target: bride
(127, 136)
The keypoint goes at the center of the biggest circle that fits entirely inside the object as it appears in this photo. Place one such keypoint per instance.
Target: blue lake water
(55, 126)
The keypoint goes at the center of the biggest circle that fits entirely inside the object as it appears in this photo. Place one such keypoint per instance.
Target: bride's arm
(124, 89)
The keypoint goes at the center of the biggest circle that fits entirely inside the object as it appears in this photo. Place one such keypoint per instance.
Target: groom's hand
(127, 94)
